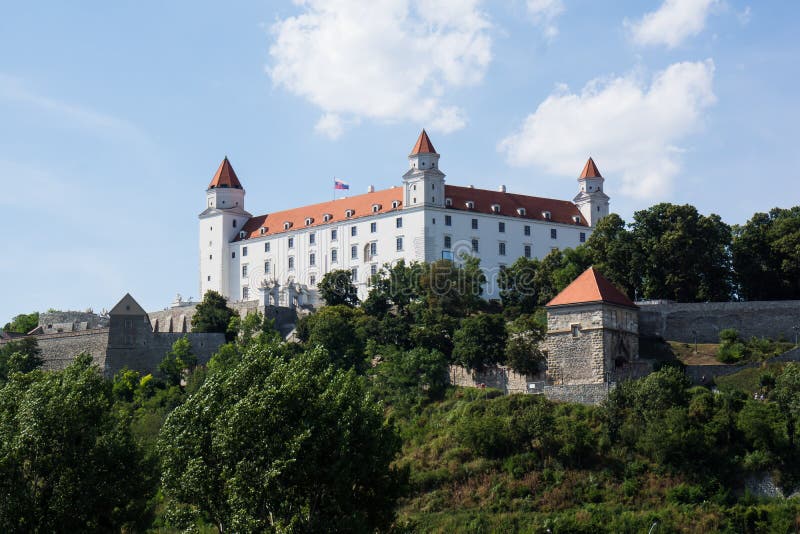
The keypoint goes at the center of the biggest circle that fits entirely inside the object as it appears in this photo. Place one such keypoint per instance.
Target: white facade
(425, 220)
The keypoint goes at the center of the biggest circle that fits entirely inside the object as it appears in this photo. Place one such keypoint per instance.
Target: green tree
(68, 462)
(612, 250)
(336, 329)
(480, 341)
(323, 449)
(518, 290)
(23, 323)
(19, 356)
(336, 288)
(766, 255)
(178, 360)
(213, 315)
(525, 335)
(408, 377)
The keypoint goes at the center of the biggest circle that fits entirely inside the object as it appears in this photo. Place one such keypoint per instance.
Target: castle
(278, 258)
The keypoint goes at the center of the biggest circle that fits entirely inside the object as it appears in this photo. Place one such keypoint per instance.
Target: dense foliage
(22, 323)
(213, 315)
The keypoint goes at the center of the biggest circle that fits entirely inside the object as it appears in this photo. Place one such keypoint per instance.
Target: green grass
(748, 380)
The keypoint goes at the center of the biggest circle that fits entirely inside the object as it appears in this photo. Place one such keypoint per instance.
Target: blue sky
(116, 115)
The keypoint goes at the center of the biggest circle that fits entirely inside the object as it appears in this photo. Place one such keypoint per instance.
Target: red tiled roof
(225, 176)
(360, 204)
(590, 170)
(591, 286)
(561, 211)
(424, 145)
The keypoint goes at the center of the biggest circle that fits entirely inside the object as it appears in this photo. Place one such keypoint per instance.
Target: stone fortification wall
(70, 321)
(575, 359)
(704, 374)
(580, 393)
(678, 321)
(179, 318)
(499, 377)
(59, 350)
(146, 352)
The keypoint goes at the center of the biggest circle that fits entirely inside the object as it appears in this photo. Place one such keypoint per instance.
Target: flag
(338, 184)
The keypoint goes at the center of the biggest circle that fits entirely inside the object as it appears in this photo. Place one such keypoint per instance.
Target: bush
(685, 494)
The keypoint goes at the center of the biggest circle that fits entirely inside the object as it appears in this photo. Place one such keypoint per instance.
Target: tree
(525, 334)
(23, 323)
(480, 341)
(177, 361)
(282, 444)
(19, 356)
(408, 377)
(766, 255)
(213, 315)
(518, 290)
(68, 462)
(336, 289)
(335, 329)
(612, 250)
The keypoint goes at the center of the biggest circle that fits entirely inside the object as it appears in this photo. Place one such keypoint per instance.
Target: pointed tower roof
(424, 145)
(590, 170)
(127, 306)
(591, 286)
(225, 176)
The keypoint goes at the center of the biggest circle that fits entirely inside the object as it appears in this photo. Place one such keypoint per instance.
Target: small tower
(591, 200)
(424, 182)
(220, 223)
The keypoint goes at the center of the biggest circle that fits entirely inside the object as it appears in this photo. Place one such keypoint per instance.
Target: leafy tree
(125, 383)
(68, 462)
(409, 377)
(177, 361)
(480, 341)
(766, 255)
(336, 289)
(19, 356)
(454, 290)
(213, 315)
(519, 292)
(525, 334)
(787, 395)
(335, 329)
(255, 328)
(23, 323)
(323, 450)
(682, 255)
(612, 249)
(433, 329)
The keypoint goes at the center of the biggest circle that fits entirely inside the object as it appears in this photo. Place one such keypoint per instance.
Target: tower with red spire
(591, 200)
(423, 182)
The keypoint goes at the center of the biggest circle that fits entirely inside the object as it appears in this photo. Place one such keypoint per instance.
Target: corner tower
(220, 223)
(590, 200)
(423, 182)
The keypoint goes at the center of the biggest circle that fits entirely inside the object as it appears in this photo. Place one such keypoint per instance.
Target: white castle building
(278, 258)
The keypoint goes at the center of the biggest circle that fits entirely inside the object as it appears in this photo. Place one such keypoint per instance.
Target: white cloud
(384, 60)
(672, 23)
(544, 13)
(630, 129)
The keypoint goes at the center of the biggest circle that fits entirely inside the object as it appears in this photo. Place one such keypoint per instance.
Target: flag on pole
(338, 184)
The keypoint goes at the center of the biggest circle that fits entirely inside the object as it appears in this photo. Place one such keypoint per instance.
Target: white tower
(423, 182)
(220, 223)
(591, 200)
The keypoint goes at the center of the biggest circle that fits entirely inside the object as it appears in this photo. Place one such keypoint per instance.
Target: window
(474, 224)
(312, 259)
(334, 256)
(209, 278)
(373, 227)
(395, 204)
(210, 257)
(312, 280)
(373, 269)
(287, 225)
(399, 243)
(233, 255)
(553, 233)
(502, 249)
(521, 212)
(245, 293)
(501, 227)
(448, 242)
(373, 249)
(312, 239)
(433, 220)
(291, 263)
(448, 202)
(583, 237)
(469, 204)
(354, 252)
(327, 217)
(244, 251)
(267, 267)
(266, 247)
(527, 251)
(448, 220)
(348, 213)
(376, 208)
(234, 223)
(353, 231)
(495, 208)
(244, 271)
(309, 220)
(398, 223)
(291, 242)
(334, 235)
(474, 245)
(527, 230)
(354, 274)
(576, 329)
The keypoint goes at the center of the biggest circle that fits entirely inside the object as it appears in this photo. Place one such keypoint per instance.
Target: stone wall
(678, 321)
(146, 352)
(580, 393)
(59, 350)
(499, 377)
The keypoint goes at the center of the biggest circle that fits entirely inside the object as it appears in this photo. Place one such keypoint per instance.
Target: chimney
(371, 189)
(502, 189)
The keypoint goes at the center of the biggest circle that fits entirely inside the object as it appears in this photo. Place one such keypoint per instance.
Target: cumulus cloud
(544, 13)
(672, 23)
(384, 60)
(630, 128)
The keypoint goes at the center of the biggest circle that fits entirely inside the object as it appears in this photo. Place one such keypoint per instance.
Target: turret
(423, 182)
(591, 200)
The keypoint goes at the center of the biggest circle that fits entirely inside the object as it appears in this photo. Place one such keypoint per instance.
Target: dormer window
(309, 220)
(448, 202)
(521, 212)
(348, 213)
(287, 225)
(576, 219)
(546, 215)
(327, 217)
(395, 204)
(496, 208)
(263, 230)
(241, 234)
(470, 205)
(376, 208)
